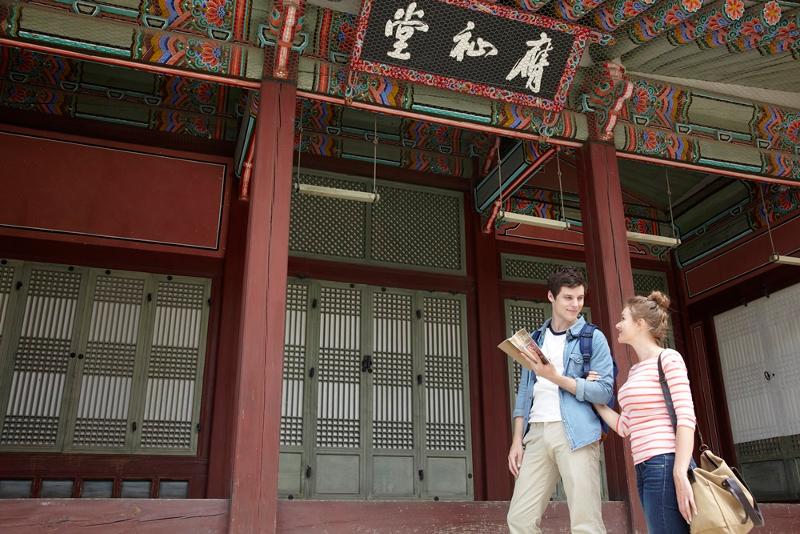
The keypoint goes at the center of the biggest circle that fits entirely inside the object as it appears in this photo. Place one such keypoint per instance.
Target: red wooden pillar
(254, 477)
(611, 283)
(495, 414)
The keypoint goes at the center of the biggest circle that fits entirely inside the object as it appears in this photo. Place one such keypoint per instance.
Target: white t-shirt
(546, 400)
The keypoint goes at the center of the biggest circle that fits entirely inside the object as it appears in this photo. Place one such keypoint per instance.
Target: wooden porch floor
(209, 516)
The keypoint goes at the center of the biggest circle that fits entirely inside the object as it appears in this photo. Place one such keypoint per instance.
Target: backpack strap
(586, 335)
(536, 335)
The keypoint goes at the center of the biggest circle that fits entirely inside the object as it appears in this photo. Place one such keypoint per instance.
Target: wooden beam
(112, 516)
(338, 517)
(609, 268)
(254, 478)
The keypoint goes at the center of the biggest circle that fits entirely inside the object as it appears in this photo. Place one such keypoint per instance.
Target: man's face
(567, 305)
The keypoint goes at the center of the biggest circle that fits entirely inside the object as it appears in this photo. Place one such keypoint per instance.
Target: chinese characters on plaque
(532, 65)
(465, 45)
(403, 25)
(471, 47)
(406, 21)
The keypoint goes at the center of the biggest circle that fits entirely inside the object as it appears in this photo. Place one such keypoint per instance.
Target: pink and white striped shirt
(644, 412)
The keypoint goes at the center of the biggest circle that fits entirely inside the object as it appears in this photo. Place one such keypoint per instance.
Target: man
(554, 402)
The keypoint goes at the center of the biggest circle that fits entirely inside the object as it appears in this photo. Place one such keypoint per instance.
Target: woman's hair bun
(661, 300)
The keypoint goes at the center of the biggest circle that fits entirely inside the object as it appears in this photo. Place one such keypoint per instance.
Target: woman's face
(627, 328)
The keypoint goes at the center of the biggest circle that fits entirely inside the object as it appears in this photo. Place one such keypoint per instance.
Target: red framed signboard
(461, 45)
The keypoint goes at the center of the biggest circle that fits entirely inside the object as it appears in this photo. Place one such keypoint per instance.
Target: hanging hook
(499, 179)
(299, 147)
(766, 218)
(375, 157)
(560, 187)
(669, 202)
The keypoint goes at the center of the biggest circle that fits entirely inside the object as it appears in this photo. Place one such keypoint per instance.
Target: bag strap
(662, 378)
(753, 514)
(585, 342)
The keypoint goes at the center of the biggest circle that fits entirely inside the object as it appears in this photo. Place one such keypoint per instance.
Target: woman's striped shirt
(644, 412)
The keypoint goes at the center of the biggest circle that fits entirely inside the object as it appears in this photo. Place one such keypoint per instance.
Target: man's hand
(515, 458)
(542, 370)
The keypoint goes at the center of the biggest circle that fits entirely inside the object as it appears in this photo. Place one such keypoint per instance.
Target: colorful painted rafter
(54, 85)
(755, 25)
(654, 22)
(575, 9)
(661, 105)
(717, 18)
(668, 145)
(611, 16)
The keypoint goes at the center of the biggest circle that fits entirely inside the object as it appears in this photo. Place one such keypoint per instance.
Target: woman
(661, 454)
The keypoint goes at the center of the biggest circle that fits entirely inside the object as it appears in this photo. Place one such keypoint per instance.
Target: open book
(522, 341)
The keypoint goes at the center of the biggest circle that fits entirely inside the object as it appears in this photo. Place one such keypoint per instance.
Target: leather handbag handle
(754, 514)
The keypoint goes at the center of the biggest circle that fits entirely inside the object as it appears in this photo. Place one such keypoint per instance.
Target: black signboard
(467, 46)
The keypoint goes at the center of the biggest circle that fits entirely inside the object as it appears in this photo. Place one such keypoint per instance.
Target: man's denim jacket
(581, 423)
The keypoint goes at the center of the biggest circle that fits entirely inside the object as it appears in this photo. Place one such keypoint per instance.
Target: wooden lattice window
(96, 360)
(375, 394)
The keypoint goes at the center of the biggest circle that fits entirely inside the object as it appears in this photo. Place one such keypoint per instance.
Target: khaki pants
(546, 456)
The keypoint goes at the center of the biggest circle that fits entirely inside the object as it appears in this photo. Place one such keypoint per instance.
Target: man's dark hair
(565, 276)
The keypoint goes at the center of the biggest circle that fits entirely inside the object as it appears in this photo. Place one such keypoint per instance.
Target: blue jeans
(657, 495)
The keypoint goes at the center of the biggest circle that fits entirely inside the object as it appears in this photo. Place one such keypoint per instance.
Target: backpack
(585, 343)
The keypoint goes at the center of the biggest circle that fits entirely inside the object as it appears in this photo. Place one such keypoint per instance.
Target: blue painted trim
(121, 52)
(110, 119)
(450, 113)
(730, 165)
(719, 216)
(369, 159)
(693, 259)
(361, 132)
(494, 196)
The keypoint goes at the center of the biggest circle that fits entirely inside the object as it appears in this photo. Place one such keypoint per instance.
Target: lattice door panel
(107, 361)
(7, 274)
(293, 397)
(338, 440)
(174, 373)
(41, 357)
(521, 314)
(447, 453)
(743, 360)
(783, 339)
(392, 414)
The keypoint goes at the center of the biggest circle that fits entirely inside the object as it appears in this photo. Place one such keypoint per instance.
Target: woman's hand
(593, 376)
(685, 495)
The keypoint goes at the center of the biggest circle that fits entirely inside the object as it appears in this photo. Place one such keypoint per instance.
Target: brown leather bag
(724, 502)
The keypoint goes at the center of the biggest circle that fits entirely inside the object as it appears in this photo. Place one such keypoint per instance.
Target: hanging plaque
(467, 46)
